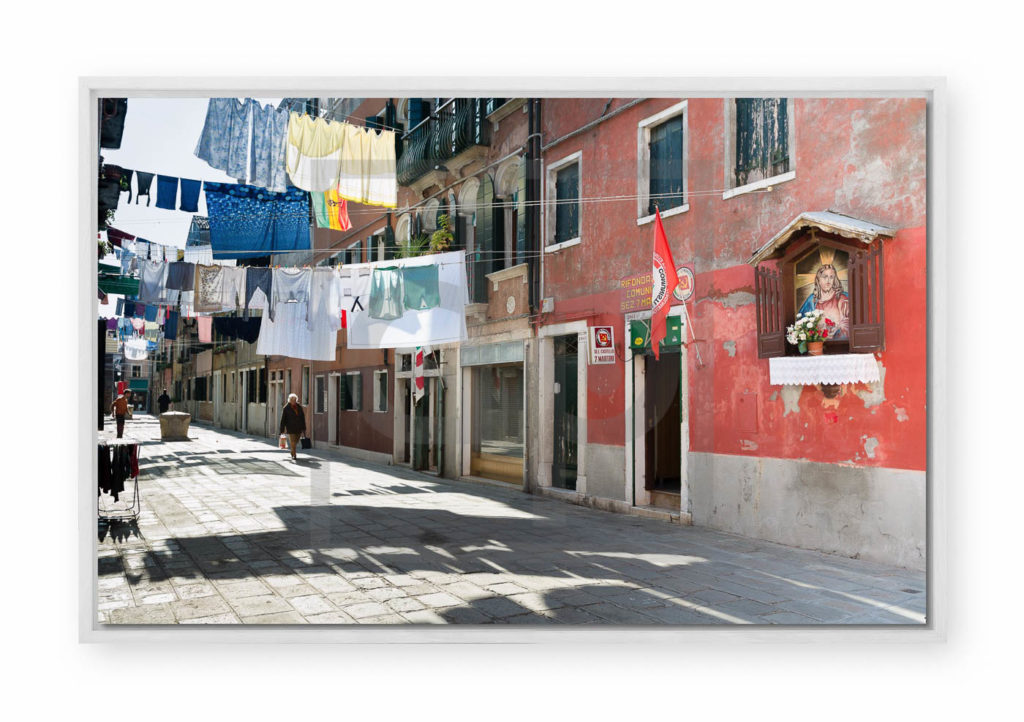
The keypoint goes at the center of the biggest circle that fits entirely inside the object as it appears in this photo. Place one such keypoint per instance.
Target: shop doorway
(565, 457)
(497, 442)
(427, 425)
(662, 424)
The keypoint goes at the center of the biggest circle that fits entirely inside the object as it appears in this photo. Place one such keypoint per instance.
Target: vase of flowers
(810, 331)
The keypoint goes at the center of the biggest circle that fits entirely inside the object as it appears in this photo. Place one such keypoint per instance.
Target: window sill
(667, 214)
(554, 247)
(848, 368)
(759, 185)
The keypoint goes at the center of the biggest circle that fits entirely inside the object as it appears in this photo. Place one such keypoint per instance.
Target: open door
(662, 420)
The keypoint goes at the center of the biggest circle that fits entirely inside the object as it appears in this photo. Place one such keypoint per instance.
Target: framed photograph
(361, 362)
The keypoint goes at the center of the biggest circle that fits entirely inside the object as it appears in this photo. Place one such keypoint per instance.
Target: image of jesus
(829, 297)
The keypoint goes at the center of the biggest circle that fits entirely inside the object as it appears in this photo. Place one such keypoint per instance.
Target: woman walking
(293, 421)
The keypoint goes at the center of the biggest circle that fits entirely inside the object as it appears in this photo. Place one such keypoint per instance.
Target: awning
(122, 285)
(827, 221)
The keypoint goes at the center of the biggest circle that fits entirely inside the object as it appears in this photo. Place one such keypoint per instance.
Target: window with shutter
(483, 242)
(567, 211)
(666, 173)
(771, 323)
(762, 139)
(521, 214)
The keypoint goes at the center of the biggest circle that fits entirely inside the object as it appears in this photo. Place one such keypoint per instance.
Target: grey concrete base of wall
(376, 457)
(606, 468)
(861, 512)
(613, 505)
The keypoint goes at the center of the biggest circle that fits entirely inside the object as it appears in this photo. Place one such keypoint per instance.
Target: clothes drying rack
(132, 511)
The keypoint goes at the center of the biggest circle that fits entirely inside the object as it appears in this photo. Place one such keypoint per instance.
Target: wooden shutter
(483, 244)
(867, 306)
(771, 327)
(521, 214)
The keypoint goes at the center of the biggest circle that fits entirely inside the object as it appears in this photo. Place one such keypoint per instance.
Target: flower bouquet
(811, 328)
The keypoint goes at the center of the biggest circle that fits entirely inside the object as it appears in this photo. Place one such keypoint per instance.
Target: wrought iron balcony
(454, 127)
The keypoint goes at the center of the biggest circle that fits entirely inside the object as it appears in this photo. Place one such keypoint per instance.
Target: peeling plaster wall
(856, 156)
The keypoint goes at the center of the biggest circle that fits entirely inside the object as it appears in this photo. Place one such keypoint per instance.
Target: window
(562, 196)
(759, 143)
(380, 391)
(321, 395)
(354, 253)
(305, 385)
(661, 163)
(136, 372)
(352, 391)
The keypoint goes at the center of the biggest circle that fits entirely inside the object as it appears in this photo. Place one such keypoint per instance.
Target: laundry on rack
(145, 183)
(270, 136)
(136, 349)
(166, 192)
(117, 464)
(190, 190)
(246, 221)
(289, 335)
(226, 136)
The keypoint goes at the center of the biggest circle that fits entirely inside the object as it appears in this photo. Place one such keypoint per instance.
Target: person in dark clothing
(293, 422)
(120, 410)
(164, 402)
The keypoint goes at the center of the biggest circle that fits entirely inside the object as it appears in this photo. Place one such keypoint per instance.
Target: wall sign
(602, 345)
(687, 282)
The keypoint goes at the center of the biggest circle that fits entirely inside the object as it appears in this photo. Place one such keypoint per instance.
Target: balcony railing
(455, 126)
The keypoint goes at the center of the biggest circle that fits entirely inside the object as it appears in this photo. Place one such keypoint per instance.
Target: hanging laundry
(140, 310)
(180, 276)
(152, 331)
(421, 288)
(190, 195)
(270, 136)
(152, 278)
(386, 294)
(129, 308)
(261, 280)
(112, 324)
(145, 182)
(288, 335)
(126, 183)
(151, 313)
(368, 167)
(120, 307)
(246, 221)
(166, 192)
(355, 289)
(291, 285)
(171, 326)
(124, 329)
(226, 137)
(324, 308)
(313, 154)
(122, 285)
(161, 315)
(138, 324)
(205, 326)
(214, 284)
(331, 211)
(444, 323)
(136, 350)
(118, 237)
(129, 263)
(197, 244)
(142, 249)
(113, 111)
(156, 252)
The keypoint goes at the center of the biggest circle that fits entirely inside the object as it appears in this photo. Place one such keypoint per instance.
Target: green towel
(421, 288)
(386, 294)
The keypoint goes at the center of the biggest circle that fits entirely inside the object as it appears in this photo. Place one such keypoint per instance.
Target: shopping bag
(282, 443)
(306, 443)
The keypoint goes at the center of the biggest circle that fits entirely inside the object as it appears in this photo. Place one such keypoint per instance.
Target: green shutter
(484, 241)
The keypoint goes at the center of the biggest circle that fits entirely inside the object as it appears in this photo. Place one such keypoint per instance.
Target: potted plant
(809, 332)
(442, 238)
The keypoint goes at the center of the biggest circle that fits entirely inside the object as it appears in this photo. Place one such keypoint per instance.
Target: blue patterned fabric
(270, 135)
(247, 221)
(224, 142)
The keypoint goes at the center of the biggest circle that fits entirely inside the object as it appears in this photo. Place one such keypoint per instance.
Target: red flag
(663, 281)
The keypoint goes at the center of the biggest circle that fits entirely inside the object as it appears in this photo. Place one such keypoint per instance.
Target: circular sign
(510, 304)
(684, 290)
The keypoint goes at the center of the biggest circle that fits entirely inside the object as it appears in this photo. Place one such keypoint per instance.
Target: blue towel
(151, 313)
(190, 195)
(171, 326)
(166, 192)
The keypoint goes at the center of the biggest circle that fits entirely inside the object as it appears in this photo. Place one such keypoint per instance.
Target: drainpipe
(533, 210)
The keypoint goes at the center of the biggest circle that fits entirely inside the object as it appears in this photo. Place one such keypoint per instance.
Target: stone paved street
(232, 531)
